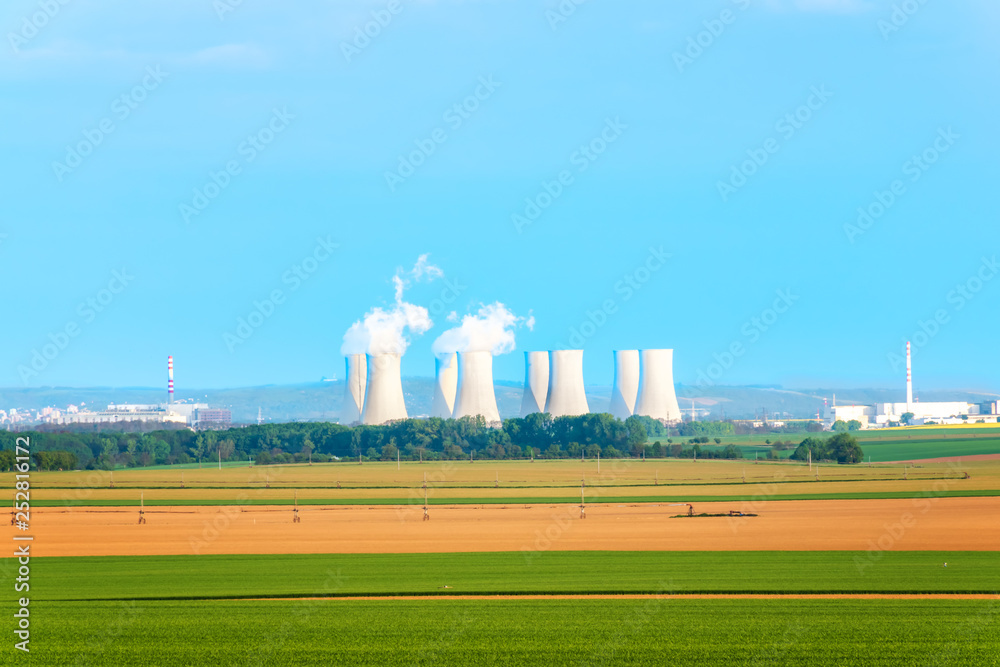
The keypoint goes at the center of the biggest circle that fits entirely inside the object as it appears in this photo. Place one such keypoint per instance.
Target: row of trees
(842, 448)
(537, 435)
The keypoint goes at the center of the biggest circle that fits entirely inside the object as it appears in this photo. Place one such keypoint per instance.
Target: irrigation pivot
(583, 505)
(142, 507)
(295, 511)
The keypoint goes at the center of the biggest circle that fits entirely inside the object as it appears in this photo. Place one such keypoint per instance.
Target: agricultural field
(882, 445)
(828, 564)
(286, 610)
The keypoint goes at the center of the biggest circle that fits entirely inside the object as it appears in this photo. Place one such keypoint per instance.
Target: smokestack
(384, 391)
(354, 388)
(566, 395)
(475, 394)
(170, 379)
(445, 385)
(536, 382)
(909, 379)
(626, 384)
(656, 396)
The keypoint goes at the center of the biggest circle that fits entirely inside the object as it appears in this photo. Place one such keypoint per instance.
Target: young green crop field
(553, 572)
(653, 631)
(185, 610)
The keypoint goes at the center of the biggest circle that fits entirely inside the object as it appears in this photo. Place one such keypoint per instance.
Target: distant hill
(316, 401)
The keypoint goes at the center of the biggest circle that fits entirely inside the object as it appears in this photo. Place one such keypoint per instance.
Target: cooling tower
(566, 395)
(475, 394)
(656, 397)
(384, 393)
(626, 385)
(445, 385)
(536, 382)
(354, 388)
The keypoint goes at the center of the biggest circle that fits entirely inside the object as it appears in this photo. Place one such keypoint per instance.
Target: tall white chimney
(445, 385)
(536, 382)
(656, 397)
(354, 388)
(384, 393)
(909, 379)
(566, 394)
(626, 383)
(475, 395)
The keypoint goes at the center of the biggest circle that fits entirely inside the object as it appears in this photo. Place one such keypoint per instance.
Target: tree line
(534, 436)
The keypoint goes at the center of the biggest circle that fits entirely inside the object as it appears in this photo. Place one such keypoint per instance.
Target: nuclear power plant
(536, 382)
(553, 383)
(566, 396)
(354, 390)
(626, 384)
(656, 397)
(475, 394)
(384, 392)
(445, 385)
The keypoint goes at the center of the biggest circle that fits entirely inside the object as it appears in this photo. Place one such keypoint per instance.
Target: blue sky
(824, 103)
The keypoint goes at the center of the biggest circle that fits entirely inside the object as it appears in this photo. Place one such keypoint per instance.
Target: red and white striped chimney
(909, 379)
(170, 379)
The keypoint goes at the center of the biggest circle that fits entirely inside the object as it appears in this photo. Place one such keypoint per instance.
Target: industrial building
(626, 383)
(880, 415)
(445, 385)
(536, 382)
(566, 394)
(656, 397)
(475, 393)
(553, 383)
(384, 391)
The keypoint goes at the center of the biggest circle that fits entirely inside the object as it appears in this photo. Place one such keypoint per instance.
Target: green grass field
(126, 610)
(241, 576)
(519, 632)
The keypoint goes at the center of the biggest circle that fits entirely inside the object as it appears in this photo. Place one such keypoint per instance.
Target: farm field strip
(542, 632)
(926, 523)
(514, 573)
(596, 497)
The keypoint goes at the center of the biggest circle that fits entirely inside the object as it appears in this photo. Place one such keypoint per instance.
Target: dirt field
(948, 459)
(932, 524)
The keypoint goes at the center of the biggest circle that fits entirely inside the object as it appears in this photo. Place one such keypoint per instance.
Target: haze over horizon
(662, 238)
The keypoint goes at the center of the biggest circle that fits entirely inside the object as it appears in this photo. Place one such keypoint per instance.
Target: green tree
(906, 417)
(840, 425)
(854, 425)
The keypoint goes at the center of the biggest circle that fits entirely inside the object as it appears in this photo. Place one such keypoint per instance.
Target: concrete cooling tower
(475, 395)
(566, 395)
(384, 394)
(354, 389)
(656, 397)
(536, 382)
(626, 386)
(445, 385)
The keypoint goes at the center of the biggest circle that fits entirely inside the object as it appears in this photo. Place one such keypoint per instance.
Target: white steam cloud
(491, 329)
(382, 330)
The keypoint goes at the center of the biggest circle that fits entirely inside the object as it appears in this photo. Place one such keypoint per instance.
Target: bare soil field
(971, 524)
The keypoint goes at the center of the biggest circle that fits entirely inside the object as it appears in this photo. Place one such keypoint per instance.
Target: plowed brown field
(937, 524)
